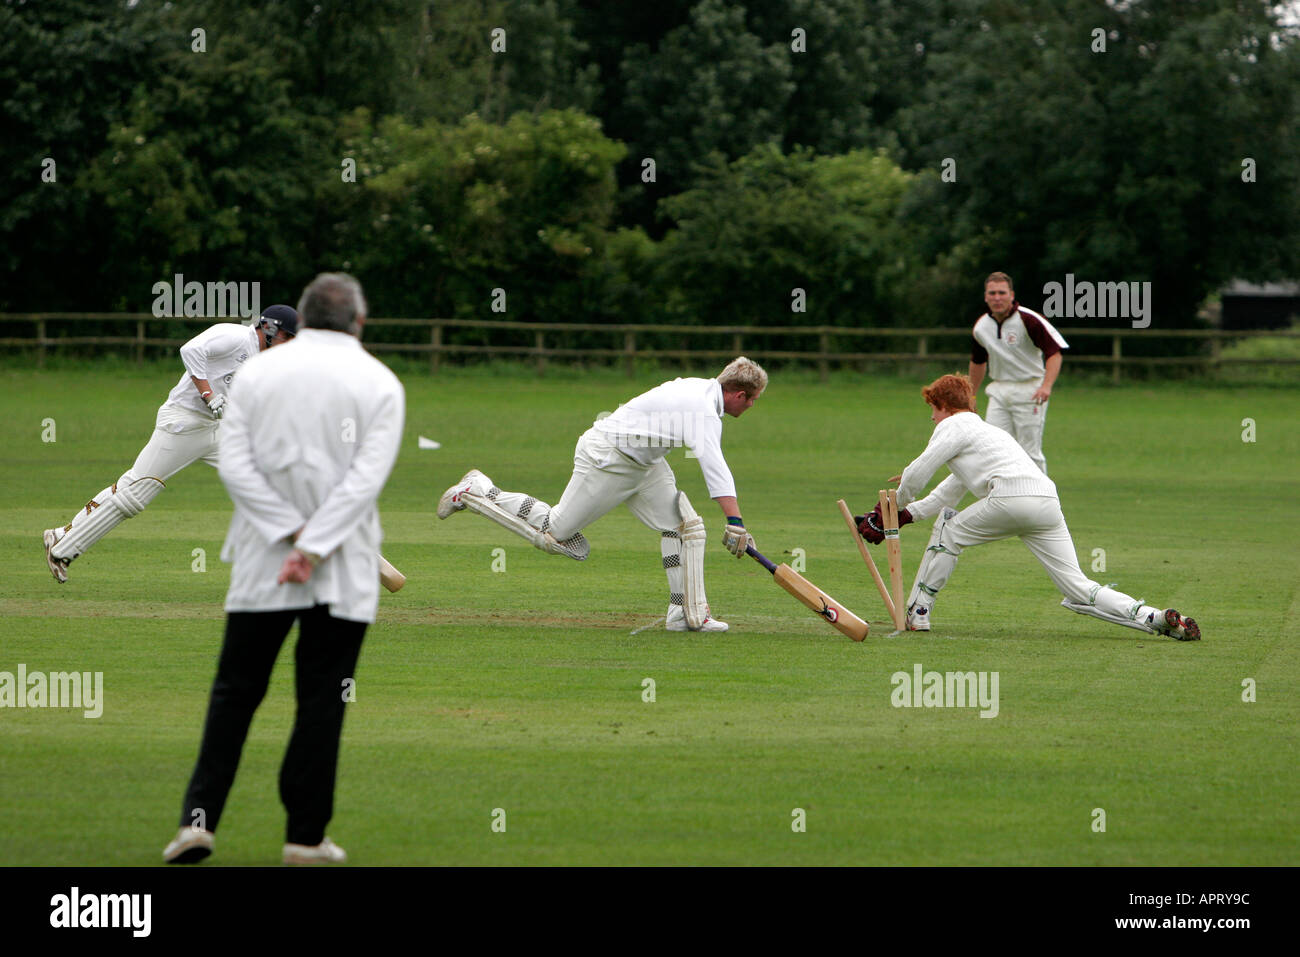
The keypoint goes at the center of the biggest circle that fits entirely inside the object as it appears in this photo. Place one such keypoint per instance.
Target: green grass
(522, 690)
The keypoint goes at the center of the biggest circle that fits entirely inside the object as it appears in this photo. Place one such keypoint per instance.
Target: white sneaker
(918, 618)
(192, 844)
(58, 566)
(677, 621)
(450, 501)
(326, 852)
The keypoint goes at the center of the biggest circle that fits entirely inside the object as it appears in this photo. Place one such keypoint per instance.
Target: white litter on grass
(428, 443)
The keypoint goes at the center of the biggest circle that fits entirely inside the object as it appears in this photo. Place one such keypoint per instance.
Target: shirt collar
(1015, 308)
(715, 390)
(327, 337)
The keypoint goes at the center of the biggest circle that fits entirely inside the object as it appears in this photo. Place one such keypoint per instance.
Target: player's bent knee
(558, 528)
(133, 493)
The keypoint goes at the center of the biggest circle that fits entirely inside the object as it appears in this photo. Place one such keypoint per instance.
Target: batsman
(185, 431)
(1015, 500)
(620, 460)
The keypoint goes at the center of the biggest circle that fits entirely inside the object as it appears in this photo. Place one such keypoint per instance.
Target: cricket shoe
(192, 844)
(1180, 628)
(58, 566)
(473, 480)
(918, 618)
(1173, 625)
(326, 852)
(677, 622)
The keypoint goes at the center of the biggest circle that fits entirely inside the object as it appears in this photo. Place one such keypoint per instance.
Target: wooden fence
(624, 341)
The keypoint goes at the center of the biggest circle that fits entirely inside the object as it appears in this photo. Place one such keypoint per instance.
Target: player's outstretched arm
(734, 536)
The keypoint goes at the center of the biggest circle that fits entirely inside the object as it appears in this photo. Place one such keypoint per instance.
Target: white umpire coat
(312, 433)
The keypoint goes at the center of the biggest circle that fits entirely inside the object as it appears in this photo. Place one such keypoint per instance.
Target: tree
(1123, 165)
(753, 231)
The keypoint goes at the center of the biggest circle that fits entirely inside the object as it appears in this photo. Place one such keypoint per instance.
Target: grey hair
(744, 375)
(333, 300)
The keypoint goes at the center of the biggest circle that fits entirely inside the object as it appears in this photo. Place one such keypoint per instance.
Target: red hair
(950, 393)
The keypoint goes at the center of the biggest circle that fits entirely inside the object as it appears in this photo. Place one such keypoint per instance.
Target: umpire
(310, 440)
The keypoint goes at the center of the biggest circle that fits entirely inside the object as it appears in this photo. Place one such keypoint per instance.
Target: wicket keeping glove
(871, 528)
(217, 406)
(735, 538)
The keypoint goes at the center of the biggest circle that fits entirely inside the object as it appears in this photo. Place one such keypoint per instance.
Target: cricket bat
(840, 618)
(389, 576)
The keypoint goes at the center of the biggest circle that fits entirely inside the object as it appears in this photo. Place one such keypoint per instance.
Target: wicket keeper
(1016, 500)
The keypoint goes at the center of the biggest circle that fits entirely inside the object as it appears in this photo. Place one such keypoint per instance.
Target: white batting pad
(691, 532)
(125, 499)
(527, 517)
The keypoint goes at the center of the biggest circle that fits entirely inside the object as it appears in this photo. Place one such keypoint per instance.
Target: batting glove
(735, 538)
(217, 406)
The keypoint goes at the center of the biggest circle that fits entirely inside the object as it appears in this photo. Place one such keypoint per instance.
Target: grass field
(522, 689)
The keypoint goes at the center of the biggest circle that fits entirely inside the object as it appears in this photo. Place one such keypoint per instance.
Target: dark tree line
(880, 156)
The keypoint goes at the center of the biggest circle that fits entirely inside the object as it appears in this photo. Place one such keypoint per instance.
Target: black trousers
(326, 655)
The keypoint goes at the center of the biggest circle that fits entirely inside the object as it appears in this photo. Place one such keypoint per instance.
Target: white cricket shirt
(683, 412)
(1016, 348)
(214, 354)
(982, 458)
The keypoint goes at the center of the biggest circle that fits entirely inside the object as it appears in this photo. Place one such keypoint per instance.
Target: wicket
(889, 517)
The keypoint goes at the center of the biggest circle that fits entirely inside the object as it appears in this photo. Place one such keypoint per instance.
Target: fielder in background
(309, 443)
(1022, 352)
(620, 459)
(185, 431)
(1016, 500)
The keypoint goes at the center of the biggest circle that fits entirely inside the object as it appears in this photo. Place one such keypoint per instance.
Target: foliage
(443, 214)
(756, 229)
(1117, 165)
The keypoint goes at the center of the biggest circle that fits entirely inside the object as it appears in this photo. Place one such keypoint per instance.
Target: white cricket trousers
(604, 478)
(180, 438)
(1037, 521)
(1012, 409)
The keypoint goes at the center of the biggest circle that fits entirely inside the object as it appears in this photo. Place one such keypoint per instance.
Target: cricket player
(185, 431)
(620, 459)
(1021, 351)
(1016, 500)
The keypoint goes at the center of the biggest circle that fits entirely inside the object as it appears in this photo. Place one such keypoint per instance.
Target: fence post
(735, 345)
(540, 345)
(40, 334)
(1215, 349)
(435, 356)
(823, 366)
(923, 347)
(1115, 357)
(139, 342)
(629, 351)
